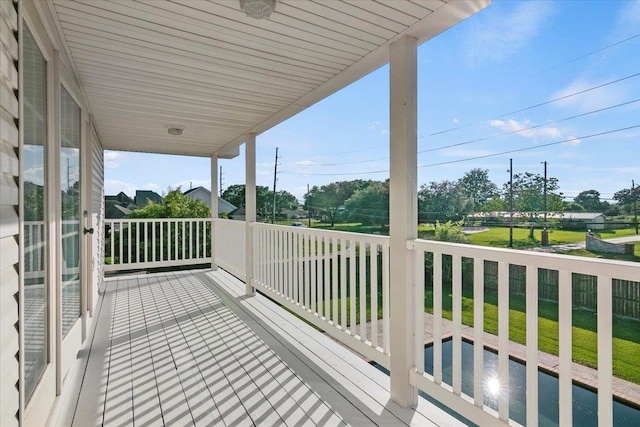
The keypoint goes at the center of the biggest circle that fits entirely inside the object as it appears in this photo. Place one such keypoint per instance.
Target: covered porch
(188, 348)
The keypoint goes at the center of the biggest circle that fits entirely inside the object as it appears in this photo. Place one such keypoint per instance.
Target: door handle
(88, 230)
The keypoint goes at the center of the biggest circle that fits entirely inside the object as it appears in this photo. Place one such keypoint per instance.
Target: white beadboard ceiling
(148, 64)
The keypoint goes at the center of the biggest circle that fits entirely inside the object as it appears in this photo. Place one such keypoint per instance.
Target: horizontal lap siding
(9, 220)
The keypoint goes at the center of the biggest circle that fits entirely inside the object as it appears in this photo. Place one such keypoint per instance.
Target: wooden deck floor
(187, 348)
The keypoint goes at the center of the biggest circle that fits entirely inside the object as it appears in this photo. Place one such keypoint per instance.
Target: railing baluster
(326, 279)
(418, 308)
(363, 290)
(456, 284)
(137, 241)
(343, 284)
(605, 351)
(437, 317)
(373, 262)
(564, 347)
(153, 240)
(503, 339)
(386, 327)
(334, 280)
(184, 236)
(478, 332)
(300, 264)
(352, 287)
(313, 259)
(532, 344)
(129, 242)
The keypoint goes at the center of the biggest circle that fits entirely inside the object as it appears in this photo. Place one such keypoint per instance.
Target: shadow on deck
(188, 348)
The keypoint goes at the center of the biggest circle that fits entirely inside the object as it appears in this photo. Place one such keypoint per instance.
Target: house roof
(206, 67)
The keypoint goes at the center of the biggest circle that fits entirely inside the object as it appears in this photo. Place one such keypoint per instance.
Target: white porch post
(250, 207)
(403, 215)
(214, 208)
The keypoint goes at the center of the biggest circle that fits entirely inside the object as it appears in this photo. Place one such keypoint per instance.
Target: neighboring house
(201, 193)
(592, 220)
(115, 211)
(145, 196)
(237, 214)
(295, 213)
(121, 198)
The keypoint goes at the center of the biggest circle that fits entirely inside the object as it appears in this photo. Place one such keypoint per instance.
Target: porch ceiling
(145, 65)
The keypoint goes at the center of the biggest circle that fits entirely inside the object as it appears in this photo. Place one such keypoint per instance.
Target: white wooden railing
(338, 281)
(473, 407)
(230, 246)
(156, 242)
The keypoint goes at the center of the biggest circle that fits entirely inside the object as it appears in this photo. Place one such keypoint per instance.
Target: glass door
(34, 170)
(71, 218)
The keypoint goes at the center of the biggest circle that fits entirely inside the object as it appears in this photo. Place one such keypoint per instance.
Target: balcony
(237, 356)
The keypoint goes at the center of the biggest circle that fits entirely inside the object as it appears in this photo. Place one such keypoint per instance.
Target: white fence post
(250, 208)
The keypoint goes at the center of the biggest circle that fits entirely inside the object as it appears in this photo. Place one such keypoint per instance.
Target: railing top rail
(153, 219)
(623, 270)
(370, 238)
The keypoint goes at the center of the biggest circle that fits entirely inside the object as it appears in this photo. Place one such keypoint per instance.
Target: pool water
(585, 402)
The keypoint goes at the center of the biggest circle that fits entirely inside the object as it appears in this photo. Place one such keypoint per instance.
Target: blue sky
(541, 77)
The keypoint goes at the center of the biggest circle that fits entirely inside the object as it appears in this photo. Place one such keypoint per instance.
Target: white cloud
(384, 132)
(151, 186)
(522, 129)
(304, 163)
(498, 36)
(572, 140)
(113, 159)
(374, 125)
(456, 120)
(591, 100)
(113, 187)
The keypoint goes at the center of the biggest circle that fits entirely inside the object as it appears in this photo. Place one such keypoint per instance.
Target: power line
(580, 92)
(596, 51)
(484, 138)
(476, 157)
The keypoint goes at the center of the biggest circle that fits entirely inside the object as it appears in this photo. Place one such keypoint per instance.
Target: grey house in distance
(201, 193)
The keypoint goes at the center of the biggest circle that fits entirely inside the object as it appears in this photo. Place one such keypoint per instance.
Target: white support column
(214, 208)
(403, 215)
(250, 207)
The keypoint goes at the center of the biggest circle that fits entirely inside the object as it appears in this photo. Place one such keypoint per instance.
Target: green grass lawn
(626, 332)
(499, 237)
(583, 252)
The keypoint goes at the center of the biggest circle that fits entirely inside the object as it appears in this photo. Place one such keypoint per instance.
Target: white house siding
(97, 212)
(9, 217)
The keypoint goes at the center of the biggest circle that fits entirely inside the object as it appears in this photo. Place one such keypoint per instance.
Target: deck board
(188, 348)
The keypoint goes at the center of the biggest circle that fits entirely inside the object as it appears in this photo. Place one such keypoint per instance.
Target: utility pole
(275, 179)
(308, 207)
(635, 203)
(510, 203)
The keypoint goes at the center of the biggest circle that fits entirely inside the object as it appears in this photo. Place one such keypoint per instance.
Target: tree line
(367, 201)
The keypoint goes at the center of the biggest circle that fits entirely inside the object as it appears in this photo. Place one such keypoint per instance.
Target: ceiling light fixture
(175, 130)
(258, 9)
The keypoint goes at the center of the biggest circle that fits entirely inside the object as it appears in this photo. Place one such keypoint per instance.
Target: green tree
(174, 205)
(450, 232)
(528, 193)
(234, 194)
(442, 201)
(370, 205)
(589, 200)
(476, 187)
(329, 199)
(626, 197)
(573, 207)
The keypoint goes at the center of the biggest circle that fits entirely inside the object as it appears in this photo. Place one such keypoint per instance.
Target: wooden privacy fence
(626, 293)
